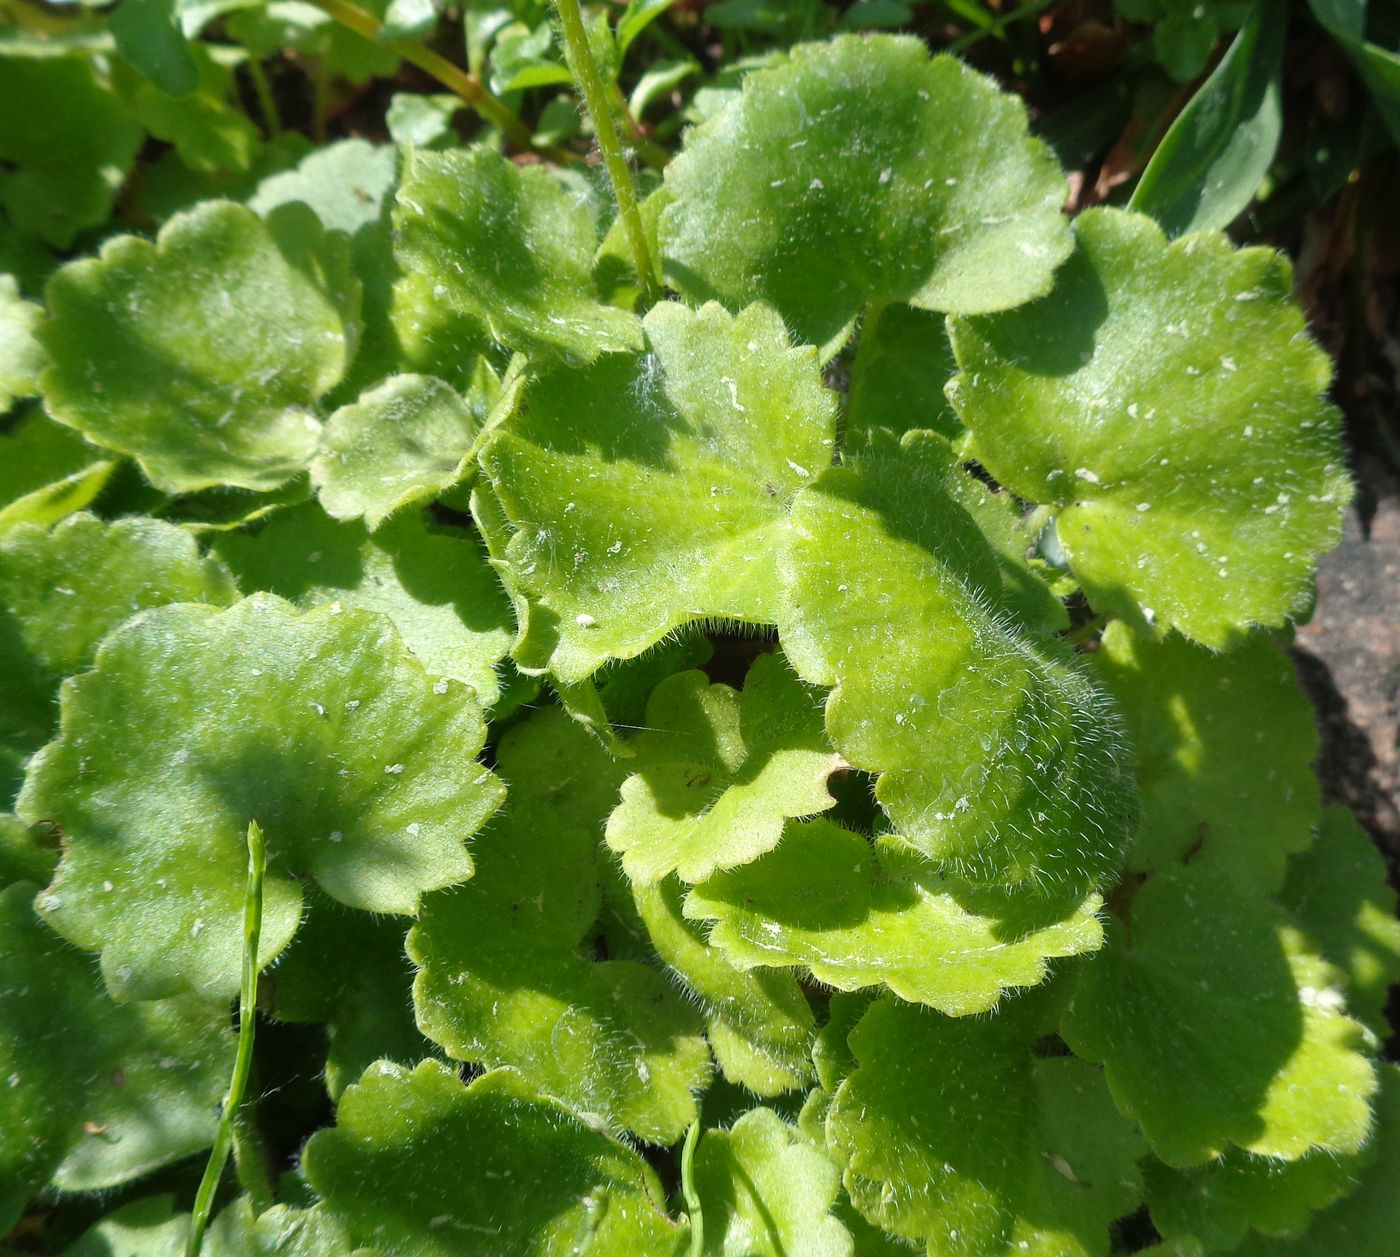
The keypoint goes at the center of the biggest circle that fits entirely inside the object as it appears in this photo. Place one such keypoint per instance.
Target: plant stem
(997, 25)
(470, 88)
(595, 96)
(243, 1058)
(267, 102)
(692, 1198)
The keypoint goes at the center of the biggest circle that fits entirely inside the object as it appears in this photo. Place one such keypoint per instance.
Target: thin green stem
(692, 1198)
(595, 96)
(470, 88)
(243, 1057)
(870, 320)
(267, 102)
(997, 26)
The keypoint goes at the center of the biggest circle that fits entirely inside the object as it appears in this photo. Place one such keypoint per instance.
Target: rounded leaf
(858, 172)
(1166, 398)
(202, 355)
(358, 766)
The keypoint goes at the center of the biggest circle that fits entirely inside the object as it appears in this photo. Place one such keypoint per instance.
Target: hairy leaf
(201, 355)
(358, 766)
(997, 755)
(1363, 1223)
(503, 979)
(350, 972)
(758, 1022)
(68, 588)
(1217, 1026)
(954, 1133)
(151, 1228)
(434, 584)
(1339, 895)
(1165, 399)
(858, 916)
(1221, 1201)
(651, 490)
(718, 772)
(505, 246)
(766, 1192)
(536, 1180)
(1225, 745)
(902, 364)
(860, 171)
(95, 1093)
(404, 441)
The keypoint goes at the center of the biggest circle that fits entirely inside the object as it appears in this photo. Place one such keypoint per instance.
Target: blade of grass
(1212, 160)
(243, 1058)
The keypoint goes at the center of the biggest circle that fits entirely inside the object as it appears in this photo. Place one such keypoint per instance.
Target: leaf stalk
(595, 97)
(467, 86)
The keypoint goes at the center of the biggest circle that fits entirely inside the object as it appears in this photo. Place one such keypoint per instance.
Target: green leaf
(638, 15)
(423, 121)
(503, 979)
(1218, 1025)
(210, 133)
(96, 1093)
(352, 973)
(858, 917)
(1166, 400)
(1338, 893)
(21, 356)
(1218, 151)
(202, 355)
(69, 587)
(718, 772)
(535, 1180)
(1365, 1222)
(433, 583)
(1221, 1201)
(955, 1133)
(651, 490)
(46, 472)
(407, 19)
(404, 441)
(151, 1228)
(758, 1021)
(505, 246)
(67, 143)
(273, 27)
(904, 360)
(348, 184)
(149, 36)
(766, 1192)
(998, 757)
(1225, 745)
(23, 856)
(358, 766)
(860, 171)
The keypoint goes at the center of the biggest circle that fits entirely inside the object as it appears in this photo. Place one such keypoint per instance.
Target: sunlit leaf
(358, 766)
(860, 171)
(1166, 401)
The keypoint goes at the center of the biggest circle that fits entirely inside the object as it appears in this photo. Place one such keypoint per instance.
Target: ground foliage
(765, 706)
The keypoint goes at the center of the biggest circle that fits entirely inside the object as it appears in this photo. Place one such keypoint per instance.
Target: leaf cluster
(806, 764)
